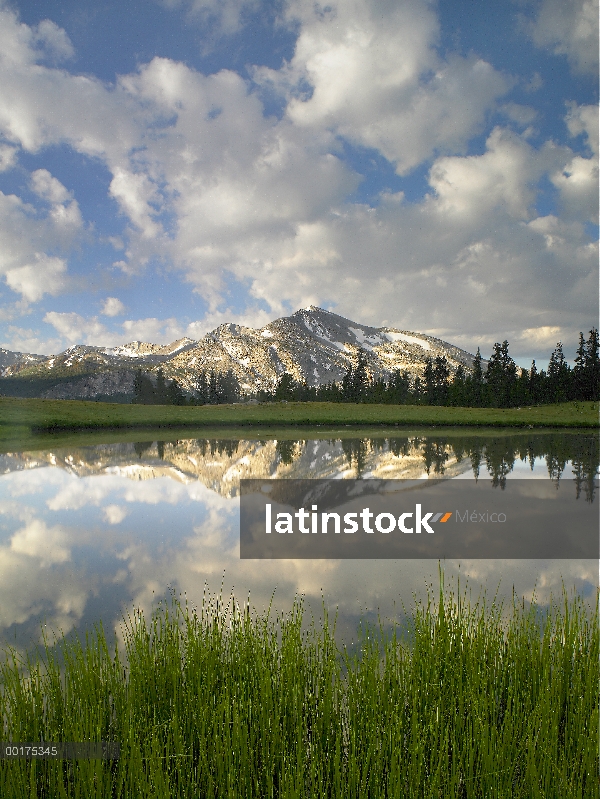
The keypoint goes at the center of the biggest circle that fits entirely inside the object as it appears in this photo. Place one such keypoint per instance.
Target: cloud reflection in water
(88, 533)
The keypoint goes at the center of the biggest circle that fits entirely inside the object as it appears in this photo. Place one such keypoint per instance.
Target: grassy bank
(20, 439)
(220, 704)
(20, 417)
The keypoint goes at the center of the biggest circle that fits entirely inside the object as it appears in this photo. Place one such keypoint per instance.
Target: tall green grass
(218, 703)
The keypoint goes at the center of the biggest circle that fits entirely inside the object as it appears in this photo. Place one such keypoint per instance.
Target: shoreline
(32, 424)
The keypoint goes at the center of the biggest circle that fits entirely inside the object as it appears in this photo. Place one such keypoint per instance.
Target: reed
(217, 702)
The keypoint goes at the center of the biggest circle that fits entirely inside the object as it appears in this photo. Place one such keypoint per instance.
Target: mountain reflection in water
(221, 463)
(87, 532)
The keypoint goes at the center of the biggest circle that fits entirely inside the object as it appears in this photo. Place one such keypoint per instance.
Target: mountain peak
(316, 346)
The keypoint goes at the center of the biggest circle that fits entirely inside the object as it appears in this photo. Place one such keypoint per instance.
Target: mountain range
(313, 345)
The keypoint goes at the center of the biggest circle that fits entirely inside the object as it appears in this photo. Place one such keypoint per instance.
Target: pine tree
(175, 395)
(418, 393)
(534, 384)
(143, 389)
(348, 385)
(285, 388)
(228, 388)
(398, 388)
(335, 393)
(441, 373)
(360, 379)
(558, 376)
(457, 393)
(213, 390)
(378, 392)
(592, 366)
(202, 389)
(160, 391)
(579, 372)
(501, 376)
(355, 383)
(522, 396)
(477, 383)
(429, 382)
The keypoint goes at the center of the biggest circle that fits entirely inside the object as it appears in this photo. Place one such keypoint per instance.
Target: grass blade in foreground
(218, 704)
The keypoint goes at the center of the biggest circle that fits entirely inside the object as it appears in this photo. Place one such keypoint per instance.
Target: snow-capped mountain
(313, 345)
(18, 360)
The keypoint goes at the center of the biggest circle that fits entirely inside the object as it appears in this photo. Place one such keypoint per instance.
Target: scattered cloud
(570, 28)
(13, 310)
(21, 339)
(114, 514)
(46, 275)
(226, 17)
(52, 41)
(8, 157)
(27, 235)
(77, 329)
(231, 200)
(112, 306)
(48, 187)
(250, 317)
(545, 336)
(577, 180)
(584, 119)
(135, 194)
(36, 539)
(370, 71)
(152, 329)
(523, 115)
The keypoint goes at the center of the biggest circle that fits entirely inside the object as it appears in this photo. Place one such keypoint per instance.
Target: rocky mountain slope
(17, 360)
(314, 345)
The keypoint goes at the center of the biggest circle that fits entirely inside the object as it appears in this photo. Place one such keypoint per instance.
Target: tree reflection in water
(493, 453)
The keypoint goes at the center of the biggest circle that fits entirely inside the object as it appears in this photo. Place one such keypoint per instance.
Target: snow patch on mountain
(313, 345)
(395, 335)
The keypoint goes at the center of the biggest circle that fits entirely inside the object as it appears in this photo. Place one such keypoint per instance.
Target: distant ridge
(314, 345)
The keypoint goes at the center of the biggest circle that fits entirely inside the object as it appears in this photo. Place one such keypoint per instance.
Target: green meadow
(22, 420)
(469, 700)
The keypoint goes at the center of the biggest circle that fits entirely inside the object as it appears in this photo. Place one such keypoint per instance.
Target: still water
(90, 532)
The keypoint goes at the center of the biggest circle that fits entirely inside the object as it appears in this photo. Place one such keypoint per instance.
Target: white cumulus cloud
(570, 28)
(77, 329)
(229, 199)
(28, 234)
(577, 179)
(36, 539)
(370, 71)
(114, 514)
(112, 306)
(153, 330)
(44, 275)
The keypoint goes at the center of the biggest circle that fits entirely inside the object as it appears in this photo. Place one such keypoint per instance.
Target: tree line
(158, 392)
(211, 389)
(501, 385)
(496, 455)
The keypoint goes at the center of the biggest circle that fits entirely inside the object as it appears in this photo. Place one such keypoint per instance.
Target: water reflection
(221, 463)
(85, 532)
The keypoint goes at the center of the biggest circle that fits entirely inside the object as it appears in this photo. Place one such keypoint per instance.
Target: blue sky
(171, 165)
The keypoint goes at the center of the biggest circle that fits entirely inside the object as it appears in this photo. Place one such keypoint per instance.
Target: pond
(90, 531)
